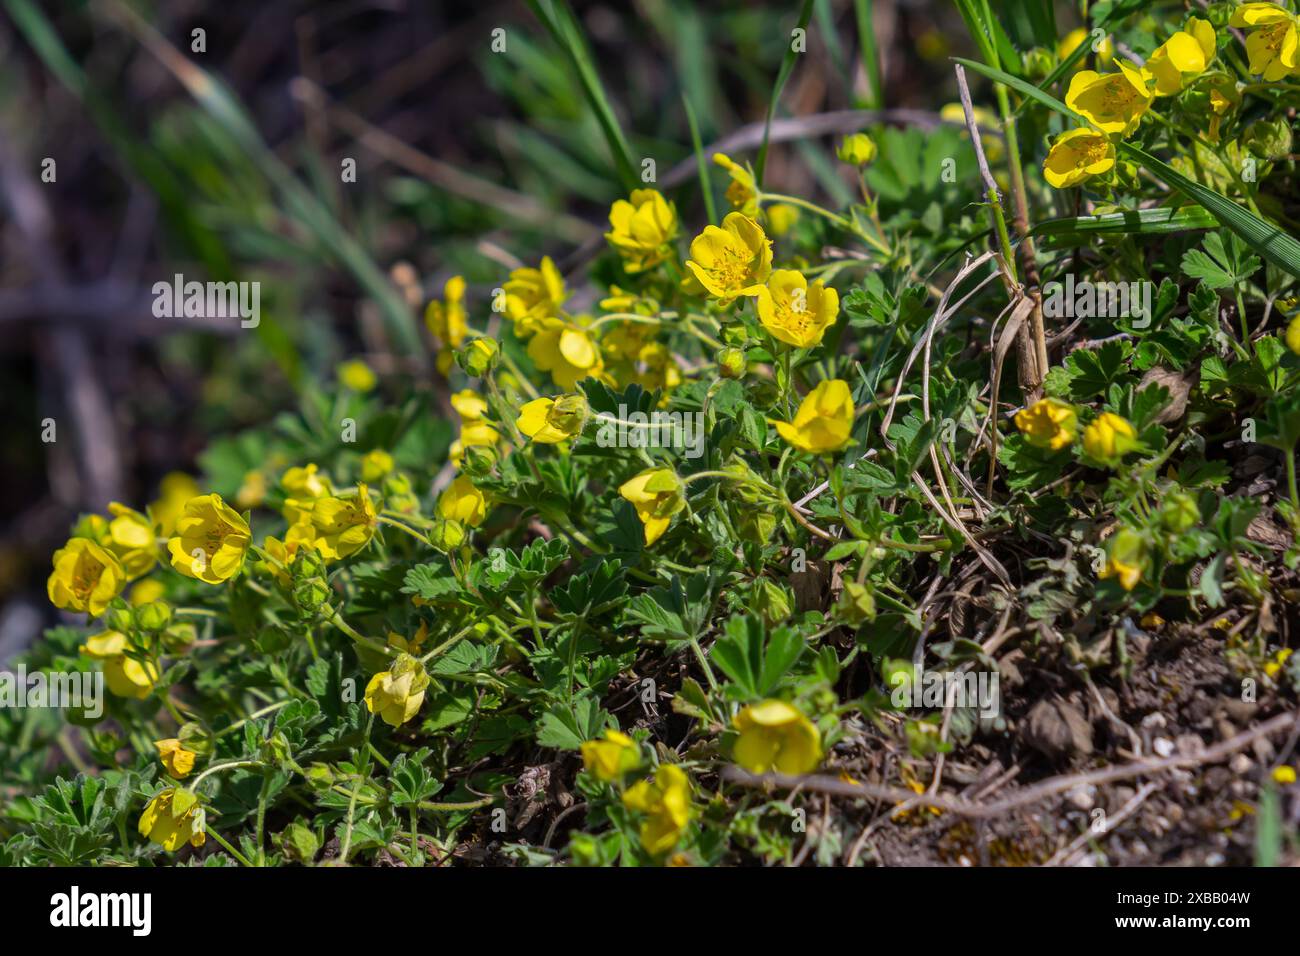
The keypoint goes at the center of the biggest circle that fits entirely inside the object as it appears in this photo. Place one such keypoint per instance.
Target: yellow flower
(733, 260)
(396, 694)
(298, 537)
(469, 405)
(172, 819)
(176, 759)
(127, 535)
(302, 485)
(642, 227)
(461, 501)
(1272, 41)
(1126, 558)
(857, 150)
(252, 491)
(1113, 102)
(781, 217)
(1293, 334)
(85, 577)
(125, 676)
(775, 736)
(145, 592)
(657, 495)
(475, 429)
(176, 489)
(305, 482)
(1221, 101)
(823, 421)
(376, 465)
(357, 376)
(741, 192)
(660, 369)
(1274, 667)
(1109, 438)
(567, 351)
(548, 420)
(1076, 155)
(1105, 49)
(667, 804)
(532, 295)
(447, 320)
(609, 759)
(211, 540)
(795, 312)
(412, 644)
(1048, 423)
(343, 526)
(1183, 57)
(1284, 775)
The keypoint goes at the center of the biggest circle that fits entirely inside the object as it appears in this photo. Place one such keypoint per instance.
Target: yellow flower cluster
(1114, 103)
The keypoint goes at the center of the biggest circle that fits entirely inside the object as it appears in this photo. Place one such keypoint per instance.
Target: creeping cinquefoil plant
(659, 557)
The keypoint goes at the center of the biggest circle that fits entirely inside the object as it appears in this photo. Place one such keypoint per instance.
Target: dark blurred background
(223, 163)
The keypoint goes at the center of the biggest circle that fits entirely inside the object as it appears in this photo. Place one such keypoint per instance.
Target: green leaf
(1163, 220)
(568, 726)
(559, 20)
(755, 663)
(1221, 265)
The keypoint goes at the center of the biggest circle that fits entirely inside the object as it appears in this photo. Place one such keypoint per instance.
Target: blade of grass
(863, 10)
(560, 22)
(787, 66)
(706, 187)
(1262, 236)
(220, 103)
(1146, 222)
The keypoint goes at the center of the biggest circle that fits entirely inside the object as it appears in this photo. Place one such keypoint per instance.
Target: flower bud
(773, 602)
(857, 604)
(120, 619)
(1038, 63)
(311, 594)
(398, 494)
(193, 736)
(857, 150)
(731, 362)
(320, 776)
(179, 636)
(446, 535)
(276, 750)
(299, 843)
(478, 357)
(307, 563)
(153, 616)
(479, 461)
(1179, 512)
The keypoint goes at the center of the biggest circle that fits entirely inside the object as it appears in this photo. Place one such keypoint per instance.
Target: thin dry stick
(1086, 836)
(1029, 795)
(1032, 369)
